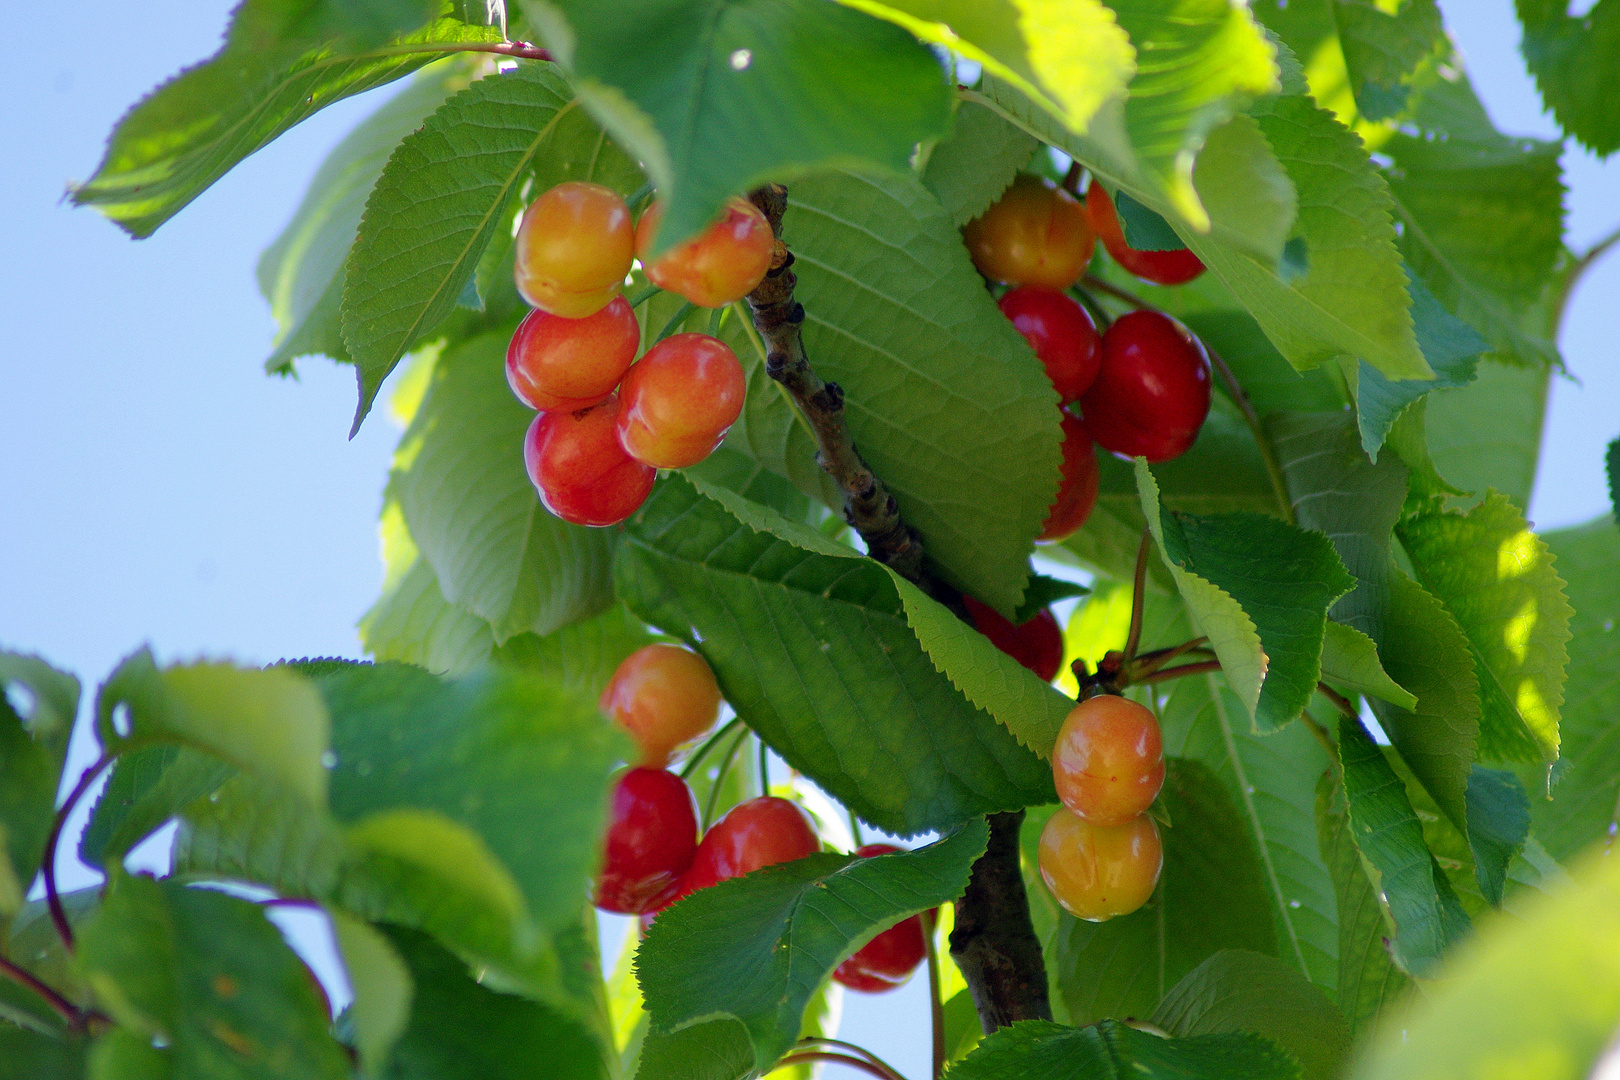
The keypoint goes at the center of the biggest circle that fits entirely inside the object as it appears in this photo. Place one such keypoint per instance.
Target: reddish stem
(53, 899)
(1138, 599)
(862, 1064)
(1340, 702)
(70, 1013)
(1179, 671)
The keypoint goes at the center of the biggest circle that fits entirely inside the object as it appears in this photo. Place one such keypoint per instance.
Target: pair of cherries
(607, 421)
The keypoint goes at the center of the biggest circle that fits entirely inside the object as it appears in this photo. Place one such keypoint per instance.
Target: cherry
(1160, 267)
(679, 399)
(1152, 391)
(1099, 871)
(1077, 491)
(753, 834)
(1037, 643)
(582, 474)
(1108, 763)
(721, 264)
(651, 839)
(565, 365)
(574, 248)
(663, 695)
(1035, 234)
(1061, 333)
(888, 960)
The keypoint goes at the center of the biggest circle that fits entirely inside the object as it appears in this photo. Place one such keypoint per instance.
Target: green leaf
(712, 1050)
(439, 201)
(280, 64)
(1144, 230)
(33, 749)
(1496, 577)
(791, 628)
(1426, 913)
(382, 985)
(737, 94)
(1040, 1049)
(1498, 826)
(121, 1054)
(301, 272)
(469, 505)
(1043, 593)
(1537, 997)
(1270, 382)
(970, 170)
(461, 1030)
(1350, 660)
(755, 948)
(1243, 991)
(1488, 434)
(145, 789)
(413, 622)
(1383, 48)
(1567, 54)
(33, 944)
(1223, 473)
(1211, 896)
(270, 723)
(1611, 463)
(32, 1055)
(210, 975)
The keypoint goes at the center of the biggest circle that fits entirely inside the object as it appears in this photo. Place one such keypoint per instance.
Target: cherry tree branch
(993, 941)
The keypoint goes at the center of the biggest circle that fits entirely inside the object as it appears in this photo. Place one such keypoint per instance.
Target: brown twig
(1177, 672)
(1340, 702)
(993, 941)
(1148, 663)
(53, 899)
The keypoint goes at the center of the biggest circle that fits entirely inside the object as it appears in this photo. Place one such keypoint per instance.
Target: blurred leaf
(144, 790)
(1611, 462)
(382, 985)
(413, 622)
(1568, 55)
(32, 1055)
(1038, 1048)
(1350, 660)
(969, 171)
(281, 62)
(38, 705)
(33, 944)
(121, 1054)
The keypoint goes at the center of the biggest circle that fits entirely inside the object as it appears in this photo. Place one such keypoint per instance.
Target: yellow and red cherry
(651, 840)
(1061, 333)
(1035, 234)
(888, 960)
(1036, 643)
(754, 834)
(1108, 763)
(574, 248)
(1099, 871)
(1077, 490)
(1152, 390)
(721, 264)
(564, 365)
(1160, 267)
(582, 473)
(677, 402)
(663, 695)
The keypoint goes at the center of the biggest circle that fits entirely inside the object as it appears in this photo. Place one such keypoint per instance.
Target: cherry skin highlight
(1160, 267)
(1099, 871)
(1037, 644)
(678, 400)
(574, 248)
(1062, 335)
(564, 365)
(757, 833)
(1077, 490)
(1108, 763)
(1035, 234)
(721, 264)
(664, 696)
(1152, 391)
(888, 960)
(582, 474)
(651, 839)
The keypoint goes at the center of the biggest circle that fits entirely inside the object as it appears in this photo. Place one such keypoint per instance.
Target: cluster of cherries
(665, 697)
(608, 421)
(1143, 384)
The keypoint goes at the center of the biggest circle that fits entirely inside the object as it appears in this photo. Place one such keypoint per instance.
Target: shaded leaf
(1383, 48)
(1488, 434)
(382, 986)
(1350, 660)
(1040, 1050)
(1566, 53)
(969, 171)
(145, 789)
(38, 705)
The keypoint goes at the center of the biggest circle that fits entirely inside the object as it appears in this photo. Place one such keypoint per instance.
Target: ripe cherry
(1037, 644)
(651, 839)
(663, 695)
(582, 474)
(757, 833)
(1160, 267)
(678, 400)
(1077, 491)
(721, 264)
(1099, 871)
(888, 960)
(1152, 391)
(574, 248)
(1108, 763)
(564, 365)
(1035, 234)
(1061, 333)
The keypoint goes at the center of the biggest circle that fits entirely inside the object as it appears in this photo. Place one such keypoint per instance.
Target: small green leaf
(1350, 660)
(1498, 826)
(1611, 462)
(1053, 1052)
(382, 987)
(1567, 54)
(754, 948)
(33, 749)
(970, 170)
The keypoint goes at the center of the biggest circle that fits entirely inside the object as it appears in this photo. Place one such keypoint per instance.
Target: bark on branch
(993, 941)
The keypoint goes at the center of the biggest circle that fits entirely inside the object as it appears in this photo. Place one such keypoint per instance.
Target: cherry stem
(674, 323)
(642, 295)
(1320, 732)
(806, 1056)
(720, 780)
(764, 766)
(639, 196)
(70, 1013)
(861, 1051)
(936, 1007)
(1178, 672)
(1098, 313)
(1138, 599)
(1148, 663)
(1340, 702)
(697, 757)
(53, 899)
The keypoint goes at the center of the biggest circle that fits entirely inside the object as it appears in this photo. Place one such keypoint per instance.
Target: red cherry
(679, 400)
(1160, 267)
(1077, 491)
(1037, 644)
(1152, 392)
(1061, 333)
(888, 960)
(1108, 762)
(760, 832)
(581, 472)
(651, 839)
(663, 695)
(565, 365)
(721, 264)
